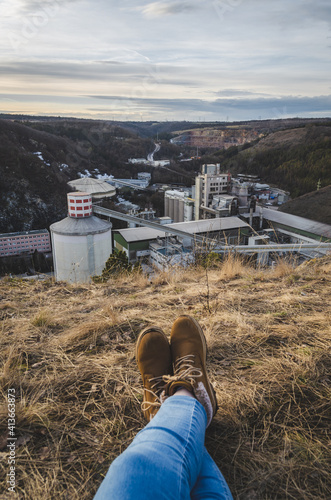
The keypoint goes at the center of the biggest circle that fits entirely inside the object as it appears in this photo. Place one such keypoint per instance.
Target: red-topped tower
(81, 242)
(79, 204)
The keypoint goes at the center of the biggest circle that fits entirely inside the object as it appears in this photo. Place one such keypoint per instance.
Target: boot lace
(158, 392)
(184, 370)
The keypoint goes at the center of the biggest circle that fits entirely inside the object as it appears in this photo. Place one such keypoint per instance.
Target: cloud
(300, 14)
(125, 56)
(136, 76)
(73, 70)
(32, 6)
(171, 108)
(320, 10)
(273, 106)
(239, 93)
(162, 8)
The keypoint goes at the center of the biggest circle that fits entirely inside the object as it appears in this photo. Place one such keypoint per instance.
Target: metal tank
(81, 242)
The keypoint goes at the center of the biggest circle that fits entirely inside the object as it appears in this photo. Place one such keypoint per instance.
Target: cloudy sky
(166, 60)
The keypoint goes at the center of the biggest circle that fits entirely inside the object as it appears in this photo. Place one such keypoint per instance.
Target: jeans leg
(210, 485)
(164, 459)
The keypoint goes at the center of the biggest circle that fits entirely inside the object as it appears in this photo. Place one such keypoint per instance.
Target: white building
(207, 185)
(145, 176)
(81, 242)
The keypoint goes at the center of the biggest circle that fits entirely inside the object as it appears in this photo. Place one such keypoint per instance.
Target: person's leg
(210, 485)
(164, 459)
(189, 350)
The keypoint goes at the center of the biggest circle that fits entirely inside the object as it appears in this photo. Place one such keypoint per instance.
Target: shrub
(118, 263)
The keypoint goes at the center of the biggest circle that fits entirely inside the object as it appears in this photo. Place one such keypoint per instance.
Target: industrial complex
(218, 214)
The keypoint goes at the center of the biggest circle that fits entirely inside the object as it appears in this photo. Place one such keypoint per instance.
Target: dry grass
(69, 353)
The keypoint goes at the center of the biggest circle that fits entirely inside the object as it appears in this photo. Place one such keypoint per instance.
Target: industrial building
(298, 228)
(25, 242)
(136, 242)
(178, 205)
(82, 243)
(207, 185)
(132, 183)
(298, 235)
(245, 189)
(166, 254)
(144, 176)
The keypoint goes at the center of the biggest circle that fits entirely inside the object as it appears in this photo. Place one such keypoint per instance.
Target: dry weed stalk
(68, 351)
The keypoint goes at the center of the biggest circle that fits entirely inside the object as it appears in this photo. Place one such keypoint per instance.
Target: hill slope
(293, 159)
(68, 351)
(314, 206)
(35, 166)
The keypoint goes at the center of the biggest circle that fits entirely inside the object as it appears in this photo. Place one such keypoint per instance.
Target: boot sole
(204, 345)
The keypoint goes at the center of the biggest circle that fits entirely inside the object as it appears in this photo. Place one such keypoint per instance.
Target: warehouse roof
(194, 227)
(307, 225)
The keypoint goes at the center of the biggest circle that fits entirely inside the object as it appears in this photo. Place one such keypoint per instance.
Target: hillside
(38, 159)
(68, 351)
(314, 206)
(294, 159)
(167, 129)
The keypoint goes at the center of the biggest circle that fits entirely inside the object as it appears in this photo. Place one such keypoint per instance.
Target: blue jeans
(167, 460)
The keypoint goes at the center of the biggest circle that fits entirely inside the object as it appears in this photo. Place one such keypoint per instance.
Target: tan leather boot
(154, 361)
(189, 351)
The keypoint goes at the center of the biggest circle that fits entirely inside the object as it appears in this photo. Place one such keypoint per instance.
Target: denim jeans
(167, 460)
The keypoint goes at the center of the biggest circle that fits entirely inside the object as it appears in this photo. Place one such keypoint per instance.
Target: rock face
(216, 138)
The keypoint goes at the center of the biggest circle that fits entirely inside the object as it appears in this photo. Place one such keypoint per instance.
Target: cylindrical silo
(243, 196)
(172, 208)
(166, 205)
(180, 210)
(81, 242)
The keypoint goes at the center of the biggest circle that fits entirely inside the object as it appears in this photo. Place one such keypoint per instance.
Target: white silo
(81, 242)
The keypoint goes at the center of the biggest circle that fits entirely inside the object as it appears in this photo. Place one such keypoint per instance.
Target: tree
(117, 263)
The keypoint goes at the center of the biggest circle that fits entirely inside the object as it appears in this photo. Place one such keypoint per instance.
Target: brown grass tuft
(233, 266)
(68, 351)
(283, 267)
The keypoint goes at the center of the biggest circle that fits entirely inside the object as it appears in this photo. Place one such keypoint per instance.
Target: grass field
(68, 351)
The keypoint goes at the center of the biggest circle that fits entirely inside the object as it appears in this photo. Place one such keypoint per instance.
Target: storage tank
(180, 212)
(172, 208)
(82, 243)
(243, 196)
(166, 205)
(188, 211)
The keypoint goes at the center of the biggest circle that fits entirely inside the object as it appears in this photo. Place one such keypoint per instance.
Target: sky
(200, 60)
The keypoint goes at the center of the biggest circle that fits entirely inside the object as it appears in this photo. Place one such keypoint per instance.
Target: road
(150, 157)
